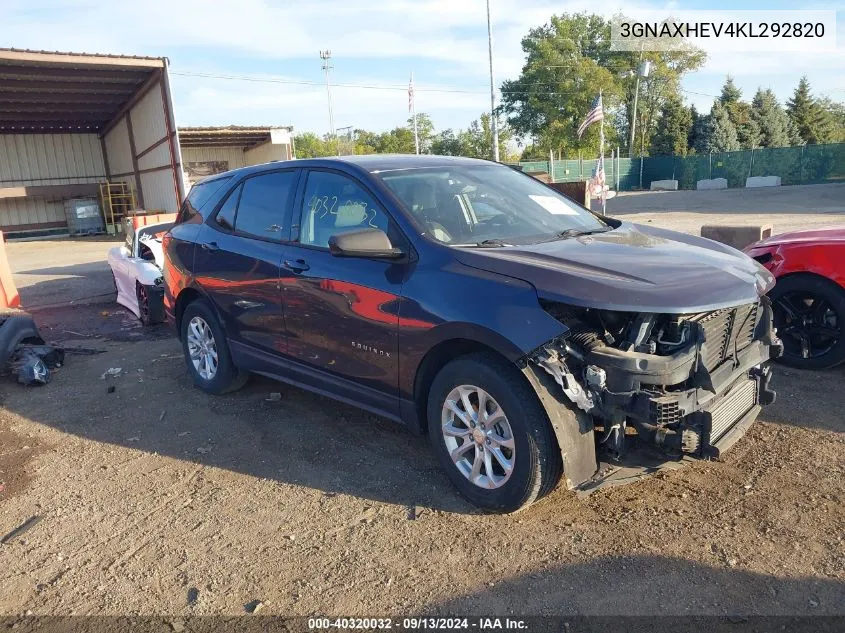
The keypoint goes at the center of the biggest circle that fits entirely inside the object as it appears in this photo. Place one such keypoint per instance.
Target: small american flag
(411, 94)
(595, 114)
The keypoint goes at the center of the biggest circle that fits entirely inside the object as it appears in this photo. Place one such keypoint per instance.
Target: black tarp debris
(33, 363)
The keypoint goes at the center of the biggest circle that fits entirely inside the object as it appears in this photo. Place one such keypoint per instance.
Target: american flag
(595, 114)
(411, 94)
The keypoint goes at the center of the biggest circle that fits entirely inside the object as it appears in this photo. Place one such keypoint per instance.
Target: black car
(528, 337)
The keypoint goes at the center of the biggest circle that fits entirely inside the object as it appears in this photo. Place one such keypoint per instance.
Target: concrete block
(664, 185)
(762, 181)
(714, 183)
(737, 236)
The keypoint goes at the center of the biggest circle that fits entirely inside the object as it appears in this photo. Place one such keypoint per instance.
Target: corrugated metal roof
(53, 91)
(83, 54)
(245, 136)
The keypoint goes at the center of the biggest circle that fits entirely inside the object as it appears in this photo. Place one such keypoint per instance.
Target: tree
(702, 131)
(447, 143)
(425, 131)
(723, 132)
(309, 145)
(567, 62)
(771, 120)
(836, 112)
(730, 92)
(673, 129)
(812, 121)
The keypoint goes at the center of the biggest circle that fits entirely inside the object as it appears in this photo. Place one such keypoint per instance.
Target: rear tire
(207, 351)
(809, 314)
(516, 419)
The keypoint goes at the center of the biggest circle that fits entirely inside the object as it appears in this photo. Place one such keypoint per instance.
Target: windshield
(466, 205)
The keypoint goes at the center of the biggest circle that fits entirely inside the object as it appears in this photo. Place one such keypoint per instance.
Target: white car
(136, 267)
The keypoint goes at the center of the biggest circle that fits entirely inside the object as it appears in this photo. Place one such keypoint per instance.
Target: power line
(304, 82)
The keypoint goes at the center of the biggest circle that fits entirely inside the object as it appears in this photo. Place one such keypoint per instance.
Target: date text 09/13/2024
(419, 623)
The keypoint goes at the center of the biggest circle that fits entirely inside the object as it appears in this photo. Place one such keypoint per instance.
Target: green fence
(811, 164)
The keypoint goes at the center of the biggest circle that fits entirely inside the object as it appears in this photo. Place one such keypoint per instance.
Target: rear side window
(226, 216)
(263, 202)
(201, 194)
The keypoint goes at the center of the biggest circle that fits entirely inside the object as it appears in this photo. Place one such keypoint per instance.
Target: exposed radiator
(727, 411)
(727, 331)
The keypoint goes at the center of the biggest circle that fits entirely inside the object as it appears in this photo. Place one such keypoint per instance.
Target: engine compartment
(675, 382)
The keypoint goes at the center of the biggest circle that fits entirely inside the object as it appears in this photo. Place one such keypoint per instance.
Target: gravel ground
(158, 499)
(154, 498)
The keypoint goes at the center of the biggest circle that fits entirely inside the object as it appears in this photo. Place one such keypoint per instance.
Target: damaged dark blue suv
(528, 337)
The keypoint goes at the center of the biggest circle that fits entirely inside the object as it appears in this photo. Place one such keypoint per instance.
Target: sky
(256, 62)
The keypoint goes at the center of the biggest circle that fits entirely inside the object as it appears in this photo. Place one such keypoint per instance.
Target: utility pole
(642, 71)
(494, 124)
(326, 56)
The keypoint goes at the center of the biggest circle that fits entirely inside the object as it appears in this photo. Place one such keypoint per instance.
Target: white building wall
(233, 155)
(148, 123)
(50, 159)
(159, 193)
(16, 212)
(266, 152)
(118, 151)
(40, 160)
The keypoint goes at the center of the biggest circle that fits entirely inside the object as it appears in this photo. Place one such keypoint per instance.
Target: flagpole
(414, 115)
(601, 151)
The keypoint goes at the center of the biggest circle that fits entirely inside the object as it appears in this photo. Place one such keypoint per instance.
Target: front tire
(150, 304)
(809, 314)
(207, 352)
(490, 434)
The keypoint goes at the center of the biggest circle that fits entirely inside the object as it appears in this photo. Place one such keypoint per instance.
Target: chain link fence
(804, 165)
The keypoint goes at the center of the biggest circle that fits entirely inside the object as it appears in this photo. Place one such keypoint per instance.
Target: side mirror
(368, 242)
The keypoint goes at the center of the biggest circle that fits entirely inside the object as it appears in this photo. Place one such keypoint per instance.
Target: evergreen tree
(693, 128)
(702, 130)
(771, 119)
(812, 121)
(723, 132)
(673, 129)
(730, 92)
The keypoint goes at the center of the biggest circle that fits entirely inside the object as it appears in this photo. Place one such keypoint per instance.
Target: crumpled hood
(632, 268)
(157, 250)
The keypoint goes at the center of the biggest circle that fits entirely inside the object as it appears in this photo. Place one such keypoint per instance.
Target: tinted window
(333, 204)
(226, 216)
(200, 194)
(261, 210)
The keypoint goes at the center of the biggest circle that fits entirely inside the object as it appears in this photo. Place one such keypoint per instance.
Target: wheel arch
(440, 355)
(184, 298)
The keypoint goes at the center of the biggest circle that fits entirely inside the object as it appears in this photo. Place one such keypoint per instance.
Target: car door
(237, 262)
(341, 312)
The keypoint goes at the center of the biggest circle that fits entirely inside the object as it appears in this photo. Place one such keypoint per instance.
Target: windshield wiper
(492, 243)
(562, 235)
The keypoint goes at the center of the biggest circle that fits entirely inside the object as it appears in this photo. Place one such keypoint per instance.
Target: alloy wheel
(202, 348)
(807, 323)
(478, 436)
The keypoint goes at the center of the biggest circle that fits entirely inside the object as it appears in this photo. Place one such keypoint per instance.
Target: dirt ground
(154, 498)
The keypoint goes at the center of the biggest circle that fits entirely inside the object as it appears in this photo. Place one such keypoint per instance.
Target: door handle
(210, 246)
(297, 265)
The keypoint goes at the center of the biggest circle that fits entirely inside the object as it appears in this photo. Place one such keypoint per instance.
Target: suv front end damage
(658, 388)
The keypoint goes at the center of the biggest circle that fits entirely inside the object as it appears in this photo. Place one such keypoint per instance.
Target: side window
(261, 210)
(226, 216)
(334, 203)
(198, 196)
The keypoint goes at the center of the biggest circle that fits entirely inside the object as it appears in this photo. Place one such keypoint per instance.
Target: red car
(809, 297)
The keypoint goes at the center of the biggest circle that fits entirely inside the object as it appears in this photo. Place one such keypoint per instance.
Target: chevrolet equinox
(530, 339)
